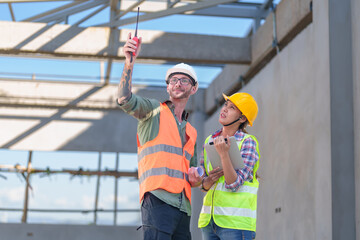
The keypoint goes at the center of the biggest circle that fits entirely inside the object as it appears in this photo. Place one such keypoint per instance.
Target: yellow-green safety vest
(235, 210)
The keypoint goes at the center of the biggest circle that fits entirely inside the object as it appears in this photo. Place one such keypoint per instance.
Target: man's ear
(193, 90)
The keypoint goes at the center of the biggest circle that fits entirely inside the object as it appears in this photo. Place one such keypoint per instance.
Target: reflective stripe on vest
(163, 148)
(163, 171)
(243, 188)
(163, 163)
(229, 211)
(236, 210)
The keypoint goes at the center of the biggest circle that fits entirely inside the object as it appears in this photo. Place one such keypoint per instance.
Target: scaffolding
(27, 171)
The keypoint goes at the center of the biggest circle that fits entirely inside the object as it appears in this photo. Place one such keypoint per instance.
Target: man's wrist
(123, 100)
(129, 64)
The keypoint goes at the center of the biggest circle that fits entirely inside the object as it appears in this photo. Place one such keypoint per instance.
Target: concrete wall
(293, 129)
(356, 76)
(302, 94)
(67, 232)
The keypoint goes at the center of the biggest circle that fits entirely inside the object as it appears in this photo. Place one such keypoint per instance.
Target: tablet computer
(234, 153)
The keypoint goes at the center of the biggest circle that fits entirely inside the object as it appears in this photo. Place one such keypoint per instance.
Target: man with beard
(166, 149)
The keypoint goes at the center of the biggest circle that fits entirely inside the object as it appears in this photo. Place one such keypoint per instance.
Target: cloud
(88, 202)
(123, 201)
(11, 196)
(62, 202)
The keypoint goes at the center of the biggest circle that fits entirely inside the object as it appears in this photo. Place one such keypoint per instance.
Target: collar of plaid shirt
(239, 135)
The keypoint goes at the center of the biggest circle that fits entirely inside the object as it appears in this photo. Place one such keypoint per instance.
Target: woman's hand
(221, 146)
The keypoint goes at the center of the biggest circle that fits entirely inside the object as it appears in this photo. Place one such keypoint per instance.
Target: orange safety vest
(163, 162)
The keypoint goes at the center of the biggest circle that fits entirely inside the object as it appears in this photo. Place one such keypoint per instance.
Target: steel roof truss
(168, 12)
(91, 14)
(72, 10)
(123, 13)
(231, 11)
(47, 13)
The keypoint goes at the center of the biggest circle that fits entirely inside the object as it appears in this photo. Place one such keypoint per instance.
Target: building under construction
(299, 60)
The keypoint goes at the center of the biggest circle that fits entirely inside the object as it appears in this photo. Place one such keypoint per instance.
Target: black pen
(212, 143)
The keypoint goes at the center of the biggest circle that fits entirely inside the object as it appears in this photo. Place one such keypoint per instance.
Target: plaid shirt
(249, 156)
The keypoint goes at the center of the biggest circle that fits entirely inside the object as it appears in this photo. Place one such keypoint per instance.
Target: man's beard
(183, 95)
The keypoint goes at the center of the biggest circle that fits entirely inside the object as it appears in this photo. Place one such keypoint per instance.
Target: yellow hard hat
(246, 104)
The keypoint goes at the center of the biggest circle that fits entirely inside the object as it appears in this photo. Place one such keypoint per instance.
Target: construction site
(68, 153)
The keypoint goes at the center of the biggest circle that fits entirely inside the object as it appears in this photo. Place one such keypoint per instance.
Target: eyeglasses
(183, 81)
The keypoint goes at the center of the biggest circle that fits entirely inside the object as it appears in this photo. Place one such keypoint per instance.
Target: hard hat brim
(225, 97)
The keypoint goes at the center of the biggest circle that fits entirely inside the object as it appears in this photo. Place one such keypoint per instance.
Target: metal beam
(116, 189)
(11, 12)
(26, 200)
(129, 9)
(114, 6)
(172, 4)
(72, 10)
(168, 12)
(97, 191)
(231, 11)
(52, 11)
(240, 10)
(91, 15)
(267, 4)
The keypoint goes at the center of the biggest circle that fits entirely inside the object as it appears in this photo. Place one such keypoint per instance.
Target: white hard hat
(183, 68)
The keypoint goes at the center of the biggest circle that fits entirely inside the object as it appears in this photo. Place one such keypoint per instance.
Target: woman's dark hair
(243, 126)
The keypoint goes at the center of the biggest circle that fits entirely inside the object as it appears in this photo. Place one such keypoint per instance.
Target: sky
(60, 191)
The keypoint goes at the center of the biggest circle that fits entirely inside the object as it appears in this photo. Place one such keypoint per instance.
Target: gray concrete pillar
(355, 8)
(197, 119)
(342, 120)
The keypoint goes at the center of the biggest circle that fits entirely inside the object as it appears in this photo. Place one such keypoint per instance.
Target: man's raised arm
(124, 90)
